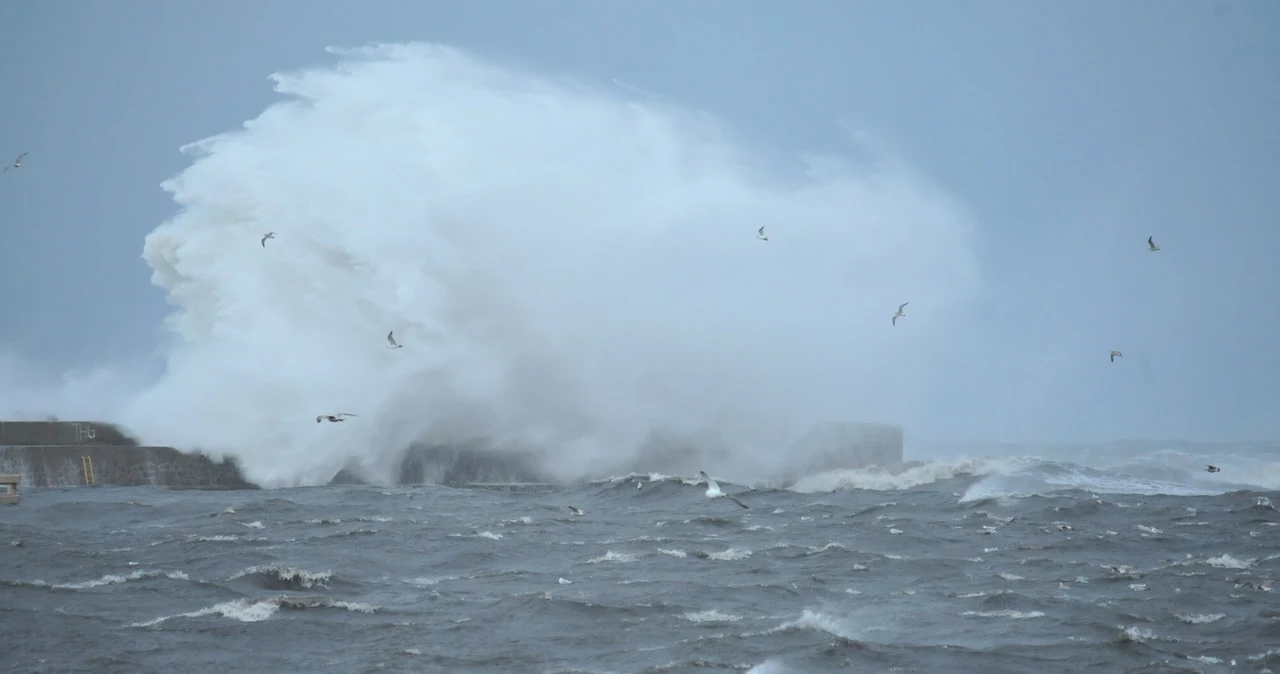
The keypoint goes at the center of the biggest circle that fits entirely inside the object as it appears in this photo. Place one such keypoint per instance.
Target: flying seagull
(713, 489)
(760, 234)
(393, 341)
(576, 511)
(900, 313)
(1151, 245)
(1115, 355)
(17, 163)
(335, 418)
(268, 235)
(1212, 469)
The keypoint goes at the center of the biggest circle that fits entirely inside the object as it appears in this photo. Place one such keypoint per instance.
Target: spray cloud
(569, 268)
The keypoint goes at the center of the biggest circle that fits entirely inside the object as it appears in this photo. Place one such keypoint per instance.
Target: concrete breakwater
(828, 446)
(81, 453)
(76, 453)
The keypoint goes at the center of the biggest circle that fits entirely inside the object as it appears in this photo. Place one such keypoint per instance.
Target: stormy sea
(431, 247)
(1006, 564)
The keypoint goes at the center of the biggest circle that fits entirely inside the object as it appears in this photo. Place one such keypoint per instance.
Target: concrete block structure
(79, 453)
(60, 433)
(86, 453)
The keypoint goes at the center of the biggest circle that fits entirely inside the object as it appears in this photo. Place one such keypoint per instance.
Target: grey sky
(1071, 131)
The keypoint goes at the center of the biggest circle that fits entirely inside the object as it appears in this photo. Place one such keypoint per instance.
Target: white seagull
(1151, 245)
(1115, 355)
(17, 163)
(576, 511)
(713, 489)
(393, 341)
(760, 235)
(900, 313)
(268, 235)
(335, 418)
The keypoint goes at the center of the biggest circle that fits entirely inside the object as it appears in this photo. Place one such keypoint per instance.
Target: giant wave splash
(569, 268)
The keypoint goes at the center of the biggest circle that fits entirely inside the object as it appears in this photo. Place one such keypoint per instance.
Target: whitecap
(1226, 561)
(244, 610)
(1199, 618)
(611, 556)
(729, 555)
(710, 617)
(1006, 613)
(304, 578)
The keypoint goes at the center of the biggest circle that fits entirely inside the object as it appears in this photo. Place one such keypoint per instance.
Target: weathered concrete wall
(51, 454)
(64, 466)
(32, 433)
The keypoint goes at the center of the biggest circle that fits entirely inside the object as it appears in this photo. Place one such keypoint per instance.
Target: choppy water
(934, 577)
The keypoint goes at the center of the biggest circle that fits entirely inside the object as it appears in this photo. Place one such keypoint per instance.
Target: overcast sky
(1069, 131)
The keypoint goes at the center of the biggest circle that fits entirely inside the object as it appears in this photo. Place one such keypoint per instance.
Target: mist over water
(568, 267)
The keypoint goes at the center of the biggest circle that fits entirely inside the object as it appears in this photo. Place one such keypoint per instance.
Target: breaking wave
(568, 268)
(1014, 476)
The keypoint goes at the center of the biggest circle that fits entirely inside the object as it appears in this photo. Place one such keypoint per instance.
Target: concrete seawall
(70, 466)
(78, 453)
(81, 453)
(37, 433)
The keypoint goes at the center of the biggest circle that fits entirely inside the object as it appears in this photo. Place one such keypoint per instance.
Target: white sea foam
(1225, 561)
(1140, 634)
(611, 556)
(731, 554)
(1200, 618)
(886, 478)
(302, 577)
(712, 616)
(1028, 476)
(424, 581)
(257, 610)
(770, 666)
(244, 610)
(818, 621)
(113, 579)
(1006, 613)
